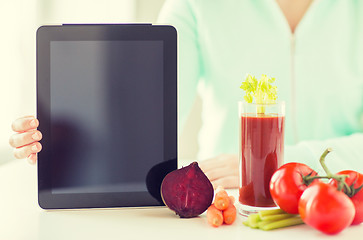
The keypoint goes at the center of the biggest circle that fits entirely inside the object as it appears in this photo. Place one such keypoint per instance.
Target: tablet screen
(106, 110)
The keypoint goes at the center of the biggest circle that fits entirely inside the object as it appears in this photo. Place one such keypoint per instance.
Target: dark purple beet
(187, 191)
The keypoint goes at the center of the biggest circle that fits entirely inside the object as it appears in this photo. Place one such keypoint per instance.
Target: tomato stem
(339, 178)
(322, 162)
(329, 175)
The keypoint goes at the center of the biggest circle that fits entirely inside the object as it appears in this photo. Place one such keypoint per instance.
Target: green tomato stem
(322, 162)
(339, 178)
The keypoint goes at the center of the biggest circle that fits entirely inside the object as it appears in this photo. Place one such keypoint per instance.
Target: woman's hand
(26, 139)
(222, 170)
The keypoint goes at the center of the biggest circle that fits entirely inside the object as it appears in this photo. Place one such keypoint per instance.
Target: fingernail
(30, 160)
(34, 148)
(33, 123)
(36, 136)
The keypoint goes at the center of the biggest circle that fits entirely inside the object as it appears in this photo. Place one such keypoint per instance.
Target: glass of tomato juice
(261, 153)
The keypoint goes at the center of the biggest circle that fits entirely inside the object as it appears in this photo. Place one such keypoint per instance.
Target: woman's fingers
(217, 173)
(25, 141)
(223, 175)
(25, 151)
(25, 138)
(32, 158)
(25, 124)
(226, 182)
(209, 164)
(222, 170)
(218, 162)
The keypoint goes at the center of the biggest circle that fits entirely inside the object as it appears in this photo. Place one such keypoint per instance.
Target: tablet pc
(107, 106)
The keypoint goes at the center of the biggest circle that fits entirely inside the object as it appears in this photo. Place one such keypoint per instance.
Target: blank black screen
(106, 101)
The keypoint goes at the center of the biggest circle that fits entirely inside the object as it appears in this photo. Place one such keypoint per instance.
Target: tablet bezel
(102, 32)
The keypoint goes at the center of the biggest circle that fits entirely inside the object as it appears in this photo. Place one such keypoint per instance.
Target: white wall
(17, 66)
(19, 20)
(87, 11)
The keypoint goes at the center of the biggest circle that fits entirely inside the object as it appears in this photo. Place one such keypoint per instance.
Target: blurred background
(19, 21)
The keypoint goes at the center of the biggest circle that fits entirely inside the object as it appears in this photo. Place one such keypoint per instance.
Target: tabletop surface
(22, 218)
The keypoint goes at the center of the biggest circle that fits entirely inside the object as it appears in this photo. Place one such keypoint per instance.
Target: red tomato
(287, 185)
(325, 208)
(355, 180)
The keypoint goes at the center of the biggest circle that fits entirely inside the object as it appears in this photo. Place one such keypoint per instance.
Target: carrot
(231, 198)
(214, 216)
(229, 215)
(221, 199)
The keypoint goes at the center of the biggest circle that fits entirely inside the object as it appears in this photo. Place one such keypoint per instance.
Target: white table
(22, 218)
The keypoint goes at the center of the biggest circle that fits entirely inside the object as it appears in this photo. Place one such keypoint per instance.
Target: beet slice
(187, 191)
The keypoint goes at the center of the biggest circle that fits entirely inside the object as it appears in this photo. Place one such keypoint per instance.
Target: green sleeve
(347, 153)
(179, 13)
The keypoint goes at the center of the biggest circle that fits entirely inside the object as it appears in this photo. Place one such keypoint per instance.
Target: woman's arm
(180, 14)
(347, 153)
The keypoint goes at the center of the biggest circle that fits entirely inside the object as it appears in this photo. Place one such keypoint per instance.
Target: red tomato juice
(262, 150)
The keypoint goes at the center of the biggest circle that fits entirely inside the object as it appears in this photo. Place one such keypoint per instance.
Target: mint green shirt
(318, 71)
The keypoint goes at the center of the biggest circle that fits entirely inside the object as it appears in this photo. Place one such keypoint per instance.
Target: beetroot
(187, 191)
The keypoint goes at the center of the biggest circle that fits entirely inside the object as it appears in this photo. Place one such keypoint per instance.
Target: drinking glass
(261, 153)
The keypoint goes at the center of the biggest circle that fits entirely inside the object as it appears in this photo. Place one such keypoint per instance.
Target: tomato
(287, 184)
(325, 208)
(355, 180)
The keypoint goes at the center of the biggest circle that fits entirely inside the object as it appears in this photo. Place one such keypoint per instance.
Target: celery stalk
(283, 223)
(277, 217)
(264, 213)
(253, 219)
(263, 223)
(261, 90)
